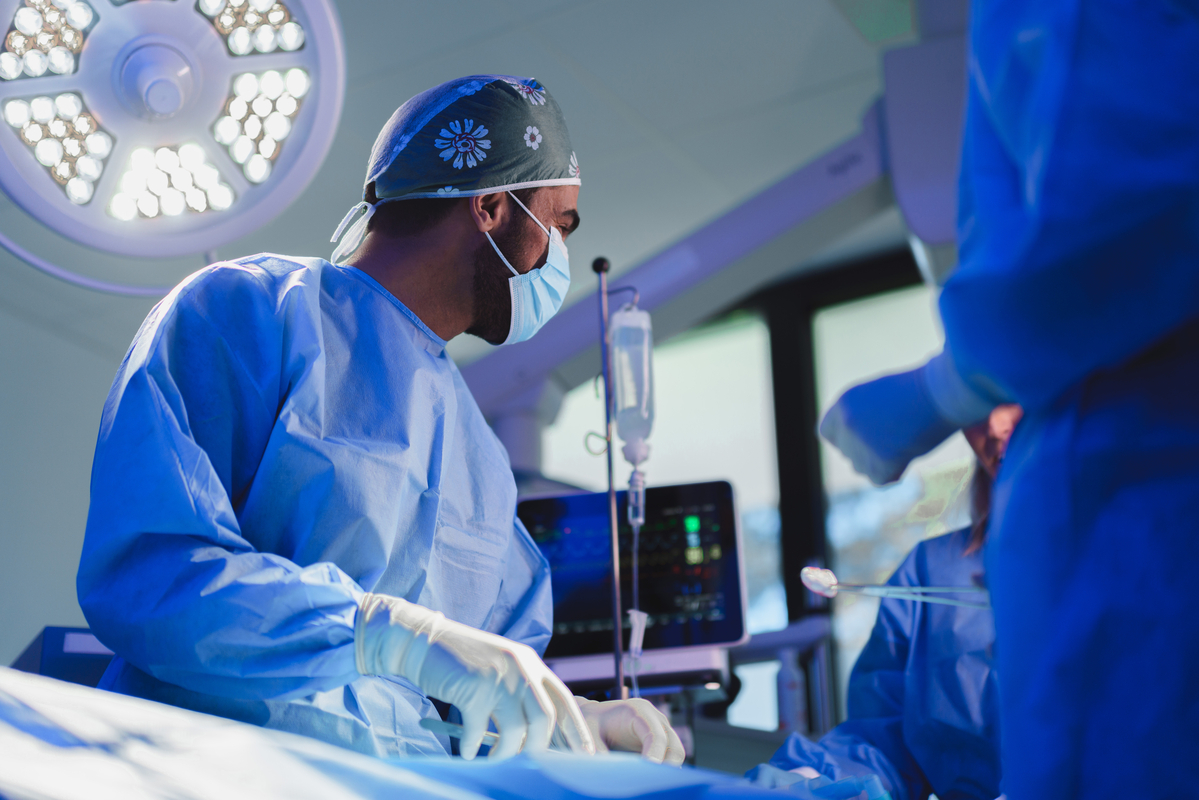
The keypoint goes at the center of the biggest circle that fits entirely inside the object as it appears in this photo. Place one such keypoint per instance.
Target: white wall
(51, 393)
(714, 418)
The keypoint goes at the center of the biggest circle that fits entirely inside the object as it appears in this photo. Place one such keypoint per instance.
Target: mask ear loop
(501, 255)
(539, 225)
(356, 234)
(346, 219)
(544, 229)
(496, 247)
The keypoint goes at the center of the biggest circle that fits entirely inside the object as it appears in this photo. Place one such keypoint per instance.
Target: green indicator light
(691, 524)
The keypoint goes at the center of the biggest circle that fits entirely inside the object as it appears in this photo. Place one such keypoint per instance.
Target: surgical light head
(165, 128)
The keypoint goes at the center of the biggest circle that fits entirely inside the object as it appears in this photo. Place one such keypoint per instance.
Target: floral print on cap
(531, 91)
(464, 143)
(532, 137)
(472, 136)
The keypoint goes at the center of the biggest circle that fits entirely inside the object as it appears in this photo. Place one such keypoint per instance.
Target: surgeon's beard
(493, 298)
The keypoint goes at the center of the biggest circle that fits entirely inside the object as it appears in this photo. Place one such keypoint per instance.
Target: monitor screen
(690, 577)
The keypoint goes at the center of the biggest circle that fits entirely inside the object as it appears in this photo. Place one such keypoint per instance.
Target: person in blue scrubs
(299, 517)
(1077, 296)
(922, 697)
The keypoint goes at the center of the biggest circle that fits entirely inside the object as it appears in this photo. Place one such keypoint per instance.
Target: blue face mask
(538, 294)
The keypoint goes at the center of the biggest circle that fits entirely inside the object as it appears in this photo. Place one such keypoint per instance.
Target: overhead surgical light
(163, 128)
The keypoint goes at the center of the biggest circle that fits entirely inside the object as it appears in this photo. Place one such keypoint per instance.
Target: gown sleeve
(1078, 219)
(872, 739)
(167, 579)
(525, 600)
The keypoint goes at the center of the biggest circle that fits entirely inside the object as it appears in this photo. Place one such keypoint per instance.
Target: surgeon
(1077, 296)
(299, 517)
(923, 700)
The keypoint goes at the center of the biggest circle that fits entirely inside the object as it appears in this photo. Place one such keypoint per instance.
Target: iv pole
(600, 266)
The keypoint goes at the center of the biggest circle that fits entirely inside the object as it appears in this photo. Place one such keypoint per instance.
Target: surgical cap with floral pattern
(470, 136)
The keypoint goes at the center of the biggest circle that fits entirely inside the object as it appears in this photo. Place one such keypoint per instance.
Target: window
(739, 399)
(869, 529)
(714, 419)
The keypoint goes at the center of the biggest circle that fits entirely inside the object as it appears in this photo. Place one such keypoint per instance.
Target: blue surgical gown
(1078, 297)
(923, 698)
(283, 436)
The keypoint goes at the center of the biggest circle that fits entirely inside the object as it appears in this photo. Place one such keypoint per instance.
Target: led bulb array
(45, 36)
(169, 181)
(250, 26)
(258, 117)
(65, 139)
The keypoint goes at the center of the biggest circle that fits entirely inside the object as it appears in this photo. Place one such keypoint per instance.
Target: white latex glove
(633, 726)
(883, 424)
(486, 676)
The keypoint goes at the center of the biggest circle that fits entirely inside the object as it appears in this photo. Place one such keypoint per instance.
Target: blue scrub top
(283, 436)
(923, 699)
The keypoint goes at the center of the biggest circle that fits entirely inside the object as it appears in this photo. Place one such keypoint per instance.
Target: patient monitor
(692, 583)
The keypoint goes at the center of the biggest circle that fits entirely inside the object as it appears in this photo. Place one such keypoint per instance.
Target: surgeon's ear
(488, 211)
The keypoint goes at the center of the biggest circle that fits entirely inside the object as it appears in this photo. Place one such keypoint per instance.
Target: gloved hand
(486, 676)
(883, 424)
(633, 726)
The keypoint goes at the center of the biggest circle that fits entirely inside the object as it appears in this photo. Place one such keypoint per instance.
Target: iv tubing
(636, 603)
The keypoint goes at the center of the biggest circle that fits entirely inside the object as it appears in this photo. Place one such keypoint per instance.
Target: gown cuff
(956, 401)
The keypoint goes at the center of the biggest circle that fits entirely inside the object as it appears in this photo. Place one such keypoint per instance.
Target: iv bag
(632, 373)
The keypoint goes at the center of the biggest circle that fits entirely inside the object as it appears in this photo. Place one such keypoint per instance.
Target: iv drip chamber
(633, 380)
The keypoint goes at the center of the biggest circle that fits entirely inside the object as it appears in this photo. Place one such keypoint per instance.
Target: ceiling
(678, 111)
